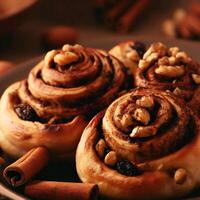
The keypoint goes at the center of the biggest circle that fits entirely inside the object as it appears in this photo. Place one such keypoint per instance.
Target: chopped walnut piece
(158, 47)
(126, 120)
(172, 60)
(142, 115)
(143, 64)
(145, 101)
(65, 58)
(67, 47)
(111, 158)
(173, 51)
(140, 131)
(182, 56)
(170, 71)
(163, 61)
(49, 57)
(152, 57)
(100, 148)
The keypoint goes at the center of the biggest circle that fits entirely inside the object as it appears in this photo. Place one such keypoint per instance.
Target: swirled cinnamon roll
(146, 144)
(129, 53)
(169, 69)
(52, 107)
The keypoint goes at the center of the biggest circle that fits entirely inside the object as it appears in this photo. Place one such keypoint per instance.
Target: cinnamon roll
(52, 107)
(129, 53)
(169, 69)
(145, 145)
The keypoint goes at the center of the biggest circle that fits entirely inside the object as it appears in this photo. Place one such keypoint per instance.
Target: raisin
(106, 151)
(140, 48)
(26, 112)
(127, 168)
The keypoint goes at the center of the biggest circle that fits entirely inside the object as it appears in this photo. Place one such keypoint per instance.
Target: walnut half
(142, 115)
(170, 71)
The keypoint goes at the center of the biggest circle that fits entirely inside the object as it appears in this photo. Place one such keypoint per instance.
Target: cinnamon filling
(168, 69)
(70, 82)
(142, 126)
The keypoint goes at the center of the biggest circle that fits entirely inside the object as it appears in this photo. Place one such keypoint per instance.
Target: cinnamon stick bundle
(21, 171)
(128, 19)
(52, 190)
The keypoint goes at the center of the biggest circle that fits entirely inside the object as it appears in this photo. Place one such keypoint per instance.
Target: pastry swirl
(53, 105)
(129, 53)
(145, 139)
(73, 81)
(168, 69)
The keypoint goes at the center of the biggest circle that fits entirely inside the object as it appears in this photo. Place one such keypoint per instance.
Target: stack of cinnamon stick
(23, 171)
(120, 15)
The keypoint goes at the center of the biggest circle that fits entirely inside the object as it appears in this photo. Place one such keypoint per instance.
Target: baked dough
(129, 53)
(170, 69)
(53, 106)
(155, 134)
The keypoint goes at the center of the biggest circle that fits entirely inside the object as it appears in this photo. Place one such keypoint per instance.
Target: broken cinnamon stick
(128, 19)
(21, 171)
(53, 190)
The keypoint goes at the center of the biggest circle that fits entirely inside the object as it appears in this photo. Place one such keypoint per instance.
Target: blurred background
(30, 27)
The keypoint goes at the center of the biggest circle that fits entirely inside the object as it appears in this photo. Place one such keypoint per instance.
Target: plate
(66, 170)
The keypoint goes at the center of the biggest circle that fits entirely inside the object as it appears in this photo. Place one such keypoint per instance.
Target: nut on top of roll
(53, 105)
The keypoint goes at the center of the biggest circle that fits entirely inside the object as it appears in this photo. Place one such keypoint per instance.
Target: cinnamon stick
(21, 171)
(112, 14)
(128, 19)
(53, 190)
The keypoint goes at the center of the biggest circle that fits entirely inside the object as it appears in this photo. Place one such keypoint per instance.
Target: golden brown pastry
(146, 145)
(129, 53)
(52, 107)
(169, 69)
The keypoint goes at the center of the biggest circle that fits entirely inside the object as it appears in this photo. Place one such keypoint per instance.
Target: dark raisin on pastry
(139, 47)
(26, 112)
(127, 168)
